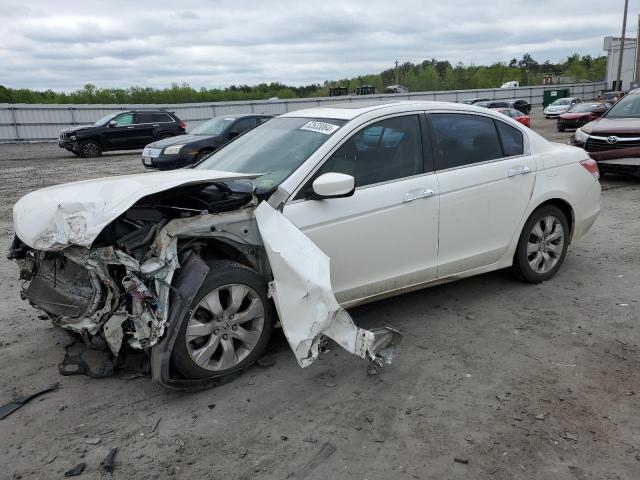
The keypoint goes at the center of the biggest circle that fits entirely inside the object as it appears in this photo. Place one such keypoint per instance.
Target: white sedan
(189, 265)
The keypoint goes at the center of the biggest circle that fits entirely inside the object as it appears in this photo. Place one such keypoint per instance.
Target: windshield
(584, 107)
(105, 119)
(215, 126)
(562, 101)
(277, 147)
(627, 107)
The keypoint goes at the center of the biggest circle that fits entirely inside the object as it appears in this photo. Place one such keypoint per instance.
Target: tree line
(425, 76)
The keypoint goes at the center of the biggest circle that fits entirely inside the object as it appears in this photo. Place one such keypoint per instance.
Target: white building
(628, 74)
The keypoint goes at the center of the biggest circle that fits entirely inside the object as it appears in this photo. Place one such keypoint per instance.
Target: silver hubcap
(545, 244)
(225, 327)
(90, 150)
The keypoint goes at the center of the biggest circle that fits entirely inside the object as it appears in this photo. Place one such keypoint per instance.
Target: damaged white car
(195, 267)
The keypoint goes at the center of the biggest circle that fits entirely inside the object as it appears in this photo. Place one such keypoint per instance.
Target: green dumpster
(550, 96)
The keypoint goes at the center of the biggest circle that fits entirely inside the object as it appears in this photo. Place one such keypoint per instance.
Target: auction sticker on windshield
(320, 127)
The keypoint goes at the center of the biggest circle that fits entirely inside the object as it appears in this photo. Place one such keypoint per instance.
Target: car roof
(349, 111)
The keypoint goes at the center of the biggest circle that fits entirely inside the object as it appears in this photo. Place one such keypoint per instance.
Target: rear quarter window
(511, 138)
(162, 118)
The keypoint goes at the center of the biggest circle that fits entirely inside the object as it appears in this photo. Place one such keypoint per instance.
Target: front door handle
(417, 194)
(523, 170)
(130, 126)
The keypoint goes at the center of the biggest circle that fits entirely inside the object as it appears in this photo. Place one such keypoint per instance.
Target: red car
(517, 115)
(581, 114)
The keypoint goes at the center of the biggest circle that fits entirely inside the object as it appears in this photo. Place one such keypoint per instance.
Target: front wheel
(90, 149)
(228, 325)
(542, 246)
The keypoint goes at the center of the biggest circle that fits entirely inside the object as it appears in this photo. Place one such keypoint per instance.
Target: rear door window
(464, 139)
(144, 118)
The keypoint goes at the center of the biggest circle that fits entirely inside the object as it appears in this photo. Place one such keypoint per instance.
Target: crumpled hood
(75, 213)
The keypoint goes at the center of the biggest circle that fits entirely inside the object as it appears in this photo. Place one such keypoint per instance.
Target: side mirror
(333, 185)
(112, 123)
(233, 134)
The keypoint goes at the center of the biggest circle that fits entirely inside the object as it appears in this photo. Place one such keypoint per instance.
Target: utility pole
(624, 29)
(397, 81)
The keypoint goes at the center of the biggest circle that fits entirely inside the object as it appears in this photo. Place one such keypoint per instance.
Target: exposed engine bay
(136, 280)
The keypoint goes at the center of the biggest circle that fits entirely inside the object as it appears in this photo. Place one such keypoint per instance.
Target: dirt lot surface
(495, 379)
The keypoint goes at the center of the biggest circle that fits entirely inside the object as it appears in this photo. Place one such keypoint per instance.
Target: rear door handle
(523, 170)
(417, 194)
(130, 126)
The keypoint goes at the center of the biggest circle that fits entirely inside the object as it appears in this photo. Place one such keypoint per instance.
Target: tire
(542, 246)
(89, 149)
(202, 154)
(198, 356)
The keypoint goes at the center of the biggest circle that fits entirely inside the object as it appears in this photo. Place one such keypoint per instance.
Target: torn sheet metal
(302, 292)
(75, 213)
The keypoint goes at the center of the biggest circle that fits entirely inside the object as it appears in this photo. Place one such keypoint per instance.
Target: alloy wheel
(225, 327)
(545, 244)
(90, 150)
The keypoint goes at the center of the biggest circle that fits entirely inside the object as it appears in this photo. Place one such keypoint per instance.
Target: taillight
(182, 125)
(591, 166)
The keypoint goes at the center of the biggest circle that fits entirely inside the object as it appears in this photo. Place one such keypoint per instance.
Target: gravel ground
(514, 381)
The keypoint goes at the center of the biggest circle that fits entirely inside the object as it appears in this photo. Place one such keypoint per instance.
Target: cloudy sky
(116, 43)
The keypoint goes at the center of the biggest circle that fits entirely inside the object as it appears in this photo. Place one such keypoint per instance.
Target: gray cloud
(122, 43)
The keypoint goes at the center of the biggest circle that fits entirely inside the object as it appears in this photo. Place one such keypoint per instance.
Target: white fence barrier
(41, 122)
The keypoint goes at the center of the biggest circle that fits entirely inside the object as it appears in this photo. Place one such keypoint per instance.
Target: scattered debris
(541, 416)
(562, 364)
(93, 441)
(284, 438)
(49, 458)
(326, 450)
(75, 471)
(109, 463)
(155, 426)
(43, 316)
(211, 406)
(461, 460)
(330, 385)
(14, 405)
(310, 440)
(569, 436)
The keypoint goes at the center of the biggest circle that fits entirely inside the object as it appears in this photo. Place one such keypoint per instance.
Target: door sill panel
(431, 283)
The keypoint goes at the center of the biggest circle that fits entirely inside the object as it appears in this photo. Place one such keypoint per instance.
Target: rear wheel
(542, 246)
(228, 325)
(90, 149)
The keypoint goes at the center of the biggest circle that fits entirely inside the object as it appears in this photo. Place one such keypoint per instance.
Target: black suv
(128, 130)
(200, 142)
